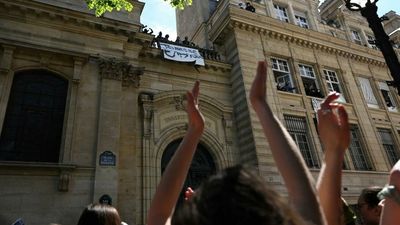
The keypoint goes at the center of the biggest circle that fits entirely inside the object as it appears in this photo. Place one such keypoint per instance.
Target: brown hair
(99, 214)
(236, 196)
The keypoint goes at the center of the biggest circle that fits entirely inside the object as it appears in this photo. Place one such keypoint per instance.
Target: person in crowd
(368, 206)
(249, 7)
(99, 214)
(391, 198)
(237, 195)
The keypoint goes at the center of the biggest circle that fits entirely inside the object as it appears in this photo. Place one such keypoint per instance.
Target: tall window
(297, 128)
(357, 153)
(282, 75)
(356, 37)
(368, 92)
(309, 81)
(388, 144)
(281, 13)
(387, 97)
(333, 83)
(34, 118)
(301, 20)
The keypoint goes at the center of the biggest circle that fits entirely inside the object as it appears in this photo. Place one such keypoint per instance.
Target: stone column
(5, 79)
(291, 13)
(69, 131)
(269, 7)
(114, 74)
(147, 173)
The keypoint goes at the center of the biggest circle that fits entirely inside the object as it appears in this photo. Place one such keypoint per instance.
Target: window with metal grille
(281, 13)
(389, 145)
(297, 128)
(332, 81)
(282, 75)
(34, 118)
(357, 153)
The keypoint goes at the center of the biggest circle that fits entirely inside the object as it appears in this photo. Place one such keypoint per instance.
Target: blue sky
(160, 16)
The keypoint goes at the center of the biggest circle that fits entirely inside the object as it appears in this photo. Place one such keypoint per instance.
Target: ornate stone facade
(310, 53)
(124, 99)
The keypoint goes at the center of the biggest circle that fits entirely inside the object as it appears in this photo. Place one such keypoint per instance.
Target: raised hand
(287, 156)
(171, 183)
(334, 132)
(196, 119)
(258, 89)
(189, 193)
(333, 125)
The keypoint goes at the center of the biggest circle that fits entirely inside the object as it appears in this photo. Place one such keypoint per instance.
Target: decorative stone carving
(120, 70)
(178, 101)
(6, 59)
(147, 104)
(78, 63)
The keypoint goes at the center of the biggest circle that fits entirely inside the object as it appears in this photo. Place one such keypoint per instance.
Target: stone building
(90, 106)
(312, 49)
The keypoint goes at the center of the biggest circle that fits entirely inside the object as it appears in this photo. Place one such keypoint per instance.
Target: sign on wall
(107, 158)
(181, 54)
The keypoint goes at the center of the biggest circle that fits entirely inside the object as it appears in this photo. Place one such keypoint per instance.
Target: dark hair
(236, 196)
(99, 214)
(369, 195)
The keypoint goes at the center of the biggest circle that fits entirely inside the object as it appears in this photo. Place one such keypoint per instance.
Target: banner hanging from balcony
(181, 54)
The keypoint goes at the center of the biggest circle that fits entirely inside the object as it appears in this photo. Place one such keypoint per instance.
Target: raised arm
(391, 207)
(334, 133)
(298, 180)
(172, 181)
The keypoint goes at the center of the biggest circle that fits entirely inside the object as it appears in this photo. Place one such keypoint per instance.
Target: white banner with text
(181, 54)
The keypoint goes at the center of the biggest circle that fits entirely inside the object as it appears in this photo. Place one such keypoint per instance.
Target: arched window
(34, 118)
(201, 168)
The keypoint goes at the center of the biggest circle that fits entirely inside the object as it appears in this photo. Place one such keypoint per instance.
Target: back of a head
(370, 196)
(99, 214)
(236, 196)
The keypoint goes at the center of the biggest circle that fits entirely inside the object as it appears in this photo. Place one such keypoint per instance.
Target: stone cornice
(63, 16)
(273, 28)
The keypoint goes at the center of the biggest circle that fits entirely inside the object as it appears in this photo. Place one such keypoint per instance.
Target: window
(281, 13)
(301, 20)
(387, 97)
(356, 37)
(297, 128)
(282, 75)
(309, 81)
(34, 118)
(388, 145)
(371, 42)
(333, 84)
(368, 93)
(357, 153)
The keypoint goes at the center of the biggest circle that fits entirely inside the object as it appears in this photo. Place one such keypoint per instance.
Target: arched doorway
(34, 118)
(201, 168)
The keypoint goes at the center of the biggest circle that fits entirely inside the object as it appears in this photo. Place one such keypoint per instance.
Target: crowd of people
(238, 195)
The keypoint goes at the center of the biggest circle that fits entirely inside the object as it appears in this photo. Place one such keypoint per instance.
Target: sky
(160, 16)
